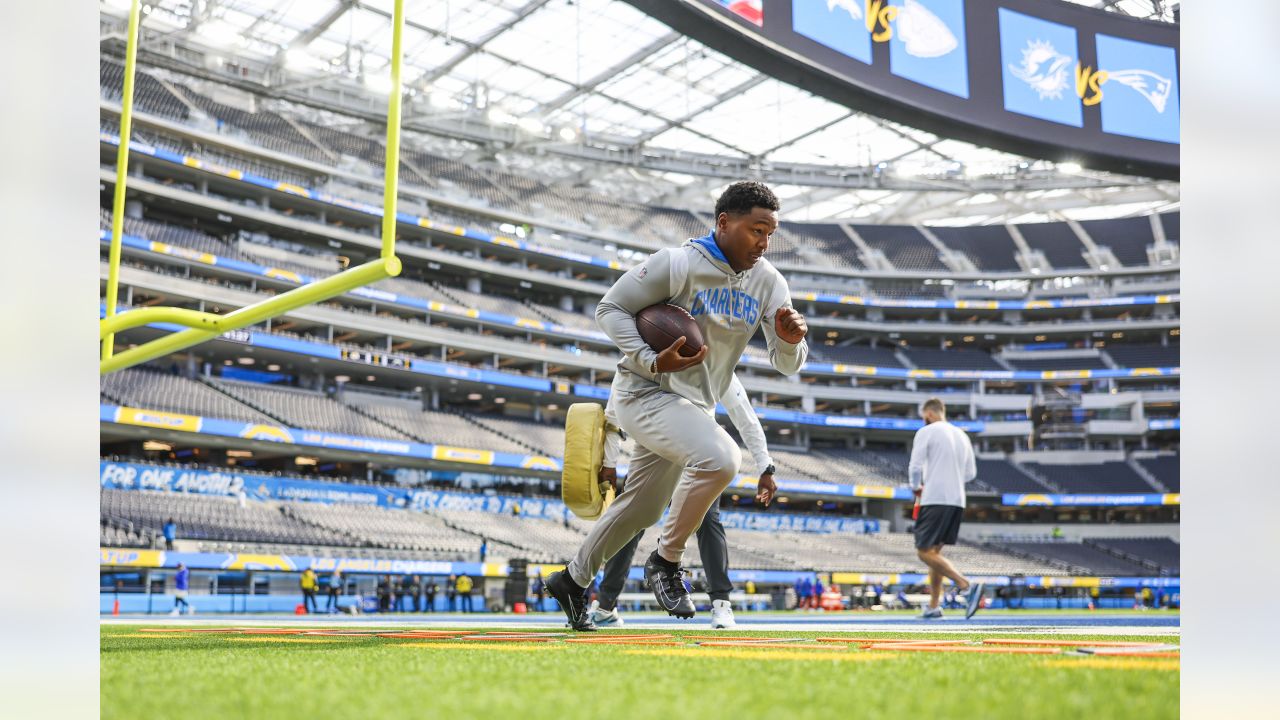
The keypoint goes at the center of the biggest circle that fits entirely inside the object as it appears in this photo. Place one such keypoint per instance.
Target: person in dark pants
(431, 590)
(484, 548)
(464, 585)
(309, 583)
(539, 591)
(942, 463)
(415, 586)
(408, 594)
(384, 594)
(451, 593)
(712, 544)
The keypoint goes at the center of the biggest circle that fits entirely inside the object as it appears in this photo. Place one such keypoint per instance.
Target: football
(664, 323)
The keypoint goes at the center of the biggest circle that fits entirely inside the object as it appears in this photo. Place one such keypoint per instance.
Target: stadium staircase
(1128, 557)
(243, 401)
(489, 428)
(1035, 476)
(357, 409)
(1145, 474)
(287, 509)
(1037, 557)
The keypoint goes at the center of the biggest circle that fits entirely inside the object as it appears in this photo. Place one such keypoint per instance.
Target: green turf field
(261, 676)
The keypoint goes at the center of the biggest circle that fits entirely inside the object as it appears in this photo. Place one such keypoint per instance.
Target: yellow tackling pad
(580, 485)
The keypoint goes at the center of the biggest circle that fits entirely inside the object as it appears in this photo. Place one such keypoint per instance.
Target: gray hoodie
(727, 306)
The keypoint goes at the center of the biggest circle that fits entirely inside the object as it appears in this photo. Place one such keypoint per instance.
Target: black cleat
(572, 599)
(666, 580)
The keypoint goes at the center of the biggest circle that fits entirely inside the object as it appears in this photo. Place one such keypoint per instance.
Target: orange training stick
(904, 647)
(1069, 643)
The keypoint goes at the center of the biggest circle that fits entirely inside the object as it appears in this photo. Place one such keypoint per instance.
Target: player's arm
(971, 463)
(612, 447)
(744, 419)
(784, 331)
(640, 287)
(915, 469)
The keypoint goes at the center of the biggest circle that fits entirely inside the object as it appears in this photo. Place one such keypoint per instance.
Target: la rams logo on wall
(1141, 88)
(1038, 59)
(929, 45)
(839, 24)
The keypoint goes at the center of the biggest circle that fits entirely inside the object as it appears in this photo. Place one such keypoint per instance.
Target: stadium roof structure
(594, 93)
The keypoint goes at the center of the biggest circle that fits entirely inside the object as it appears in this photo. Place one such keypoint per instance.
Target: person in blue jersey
(170, 532)
(180, 583)
(667, 401)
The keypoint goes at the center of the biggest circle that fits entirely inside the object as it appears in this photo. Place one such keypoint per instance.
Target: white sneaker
(605, 618)
(191, 609)
(931, 613)
(174, 611)
(722, 615)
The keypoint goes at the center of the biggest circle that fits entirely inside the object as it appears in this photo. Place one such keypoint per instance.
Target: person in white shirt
(712, 544)
(942, 462)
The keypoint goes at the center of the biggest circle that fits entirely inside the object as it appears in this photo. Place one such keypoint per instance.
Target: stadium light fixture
(203, 326)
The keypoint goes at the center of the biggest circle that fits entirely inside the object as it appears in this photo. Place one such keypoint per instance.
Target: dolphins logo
(1044, 69)
(924, 34)
(850, 6)
(1149, 85)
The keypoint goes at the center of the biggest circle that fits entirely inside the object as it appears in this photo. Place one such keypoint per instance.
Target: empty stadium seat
(1107, 477)
(155, 390)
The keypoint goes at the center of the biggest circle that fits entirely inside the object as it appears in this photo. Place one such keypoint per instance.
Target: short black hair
(741, 198)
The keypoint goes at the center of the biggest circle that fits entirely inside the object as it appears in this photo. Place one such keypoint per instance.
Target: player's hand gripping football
(766, 488)
(610, 475)
(790, 325)
(670, 360)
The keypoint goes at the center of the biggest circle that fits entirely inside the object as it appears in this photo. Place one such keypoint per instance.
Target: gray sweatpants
(682, 456)
(712, 546)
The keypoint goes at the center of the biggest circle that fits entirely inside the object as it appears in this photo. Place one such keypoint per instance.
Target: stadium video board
(1037, 77)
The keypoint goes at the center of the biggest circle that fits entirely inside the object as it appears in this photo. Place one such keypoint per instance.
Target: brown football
(664, 323)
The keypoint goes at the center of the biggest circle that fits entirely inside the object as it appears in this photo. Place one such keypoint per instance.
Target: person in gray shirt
(666, 401)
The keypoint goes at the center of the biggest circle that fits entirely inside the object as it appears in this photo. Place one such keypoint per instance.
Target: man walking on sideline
(942, 462)
(180, 581)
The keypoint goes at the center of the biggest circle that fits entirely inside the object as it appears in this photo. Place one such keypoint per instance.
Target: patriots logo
(1153, 87)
